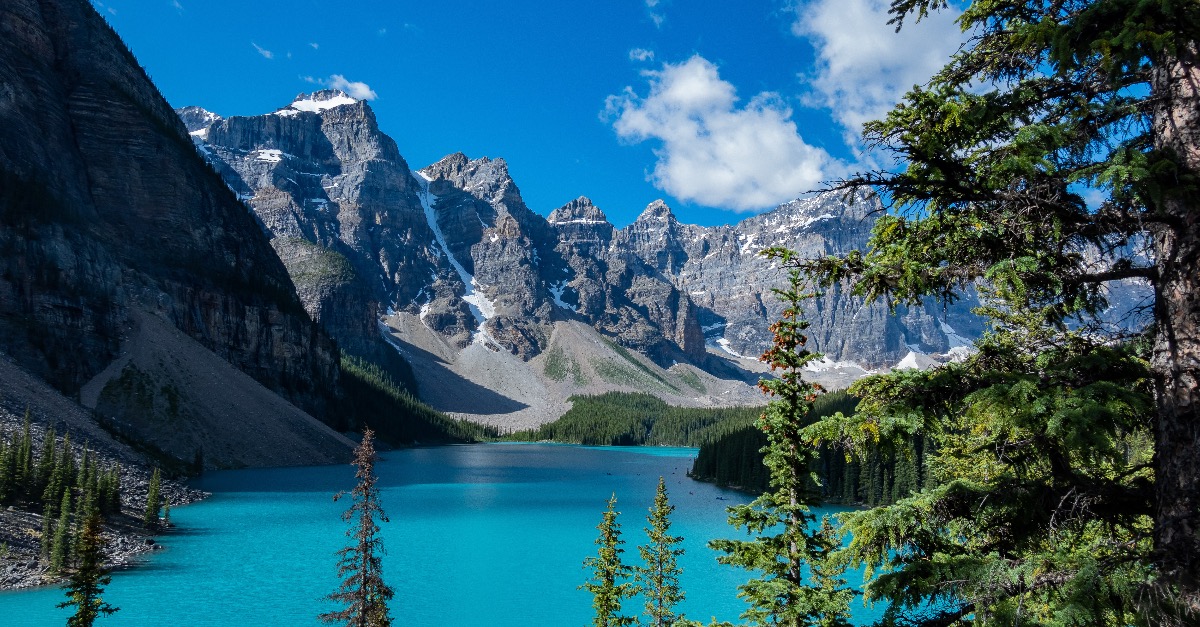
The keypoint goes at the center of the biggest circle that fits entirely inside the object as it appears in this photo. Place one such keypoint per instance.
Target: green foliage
(558, 366)
(629, 419)
(608, 583)
(799, 584)
(362, 591)
(658, 575)
(85, 587)
(736, 459)
(376, 401)
(1063, 483)
(153, 501)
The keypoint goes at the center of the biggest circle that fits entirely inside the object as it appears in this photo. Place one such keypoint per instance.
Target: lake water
(480, 535)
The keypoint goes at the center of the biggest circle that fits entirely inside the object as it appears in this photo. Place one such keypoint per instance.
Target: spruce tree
(609, 572)
(153, 501)
(786, 542)
(60, 546)
(1055, 158)
(45, 463)
(362, 591)
(85, 587)
(658, 576)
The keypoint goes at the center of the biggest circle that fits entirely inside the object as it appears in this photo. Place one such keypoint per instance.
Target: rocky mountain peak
(578, 211)
(197, 118)
(657, 211)
(484, 178)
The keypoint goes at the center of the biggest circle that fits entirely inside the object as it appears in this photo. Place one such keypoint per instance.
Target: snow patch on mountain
(482, 308)
(319, 101)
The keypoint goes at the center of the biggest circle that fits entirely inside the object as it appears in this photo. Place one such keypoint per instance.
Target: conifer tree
(786, 544)
(45, 463)
(658, 576)
(607, 584)
(60, 547)
(85, 587)
(362, 591)
(153, 501)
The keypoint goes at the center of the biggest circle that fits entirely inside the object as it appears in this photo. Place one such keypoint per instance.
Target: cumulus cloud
(863, 66)
(354, 89)
(641, 54)
(714, 151)
(267, 54)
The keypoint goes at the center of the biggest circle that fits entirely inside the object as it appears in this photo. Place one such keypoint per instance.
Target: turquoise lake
(487, 535)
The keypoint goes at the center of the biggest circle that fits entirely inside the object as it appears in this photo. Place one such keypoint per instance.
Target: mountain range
(480, 293)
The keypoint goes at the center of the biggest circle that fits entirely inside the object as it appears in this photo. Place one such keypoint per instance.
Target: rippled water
(490, 534)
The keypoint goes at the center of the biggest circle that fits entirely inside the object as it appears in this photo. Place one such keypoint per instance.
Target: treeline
(50, 480)
(632, 419)
(735, 460)
(374, 399)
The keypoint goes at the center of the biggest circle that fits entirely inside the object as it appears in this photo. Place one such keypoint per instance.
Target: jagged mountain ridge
(654, 284)
(366, 238)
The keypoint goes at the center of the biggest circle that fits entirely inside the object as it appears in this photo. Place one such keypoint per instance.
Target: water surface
(480, 535)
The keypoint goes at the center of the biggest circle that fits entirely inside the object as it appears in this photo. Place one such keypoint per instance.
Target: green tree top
(362, 591)
(609, 572)
(800, 585)
(1047, 105)
(658, 575)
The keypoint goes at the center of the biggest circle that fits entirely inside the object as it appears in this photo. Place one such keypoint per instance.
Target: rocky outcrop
(107, 210)
(730, 282)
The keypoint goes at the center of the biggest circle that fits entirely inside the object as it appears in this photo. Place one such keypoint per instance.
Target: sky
(722, 109)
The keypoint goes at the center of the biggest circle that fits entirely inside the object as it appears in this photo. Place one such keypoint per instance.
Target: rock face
(107, 210)
(455, 244)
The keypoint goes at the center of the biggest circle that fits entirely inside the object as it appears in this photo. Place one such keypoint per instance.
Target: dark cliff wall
(105, 206)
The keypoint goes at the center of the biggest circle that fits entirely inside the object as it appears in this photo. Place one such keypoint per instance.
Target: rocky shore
(126, 538)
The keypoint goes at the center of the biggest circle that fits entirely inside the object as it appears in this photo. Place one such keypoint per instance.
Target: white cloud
(641, 54)
(315, 45)
(177, 4)
(713, 151)
(354, 89)
(656, 16)
(382, 32)
(264, 52)
(864, 67)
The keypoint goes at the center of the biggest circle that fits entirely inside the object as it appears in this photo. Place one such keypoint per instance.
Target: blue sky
(721, 108)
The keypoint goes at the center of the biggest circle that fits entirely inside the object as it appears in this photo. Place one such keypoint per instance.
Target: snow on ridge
(316, 106)
(270, 155)
(482, 308)
(578, 221)
(557, 291)
(825, 364)
(952, 336)
(908, 363)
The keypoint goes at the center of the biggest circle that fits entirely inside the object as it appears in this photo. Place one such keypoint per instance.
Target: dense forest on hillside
(374, 399)
(628, 419)
(735, 459)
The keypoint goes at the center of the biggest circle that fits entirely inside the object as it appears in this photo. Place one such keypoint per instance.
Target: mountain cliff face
(107, 214)
(365, 238)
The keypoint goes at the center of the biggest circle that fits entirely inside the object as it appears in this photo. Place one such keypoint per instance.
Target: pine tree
(153, 501)
(45, 463)
(607, 584)
(362, 591)
(658, 577)
(785, 541)
(60, 547)
(24, 461)
(1054, 157)
(85, 587)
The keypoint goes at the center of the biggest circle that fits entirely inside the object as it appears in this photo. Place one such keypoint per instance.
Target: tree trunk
(1176, 357)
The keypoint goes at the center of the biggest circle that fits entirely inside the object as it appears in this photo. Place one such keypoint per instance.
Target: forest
(635, 419)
